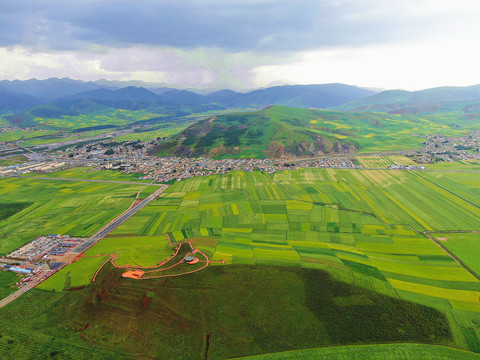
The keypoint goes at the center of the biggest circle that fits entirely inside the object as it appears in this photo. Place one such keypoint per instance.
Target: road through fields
(112, 225)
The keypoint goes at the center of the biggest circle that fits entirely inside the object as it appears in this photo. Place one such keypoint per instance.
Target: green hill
(442, 99)
(82, 113)
(279, 131)
(305, 96)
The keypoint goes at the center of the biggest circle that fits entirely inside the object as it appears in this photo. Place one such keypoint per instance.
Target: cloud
(235, 26)
(413, 66)
(239, 44)
(195, 68)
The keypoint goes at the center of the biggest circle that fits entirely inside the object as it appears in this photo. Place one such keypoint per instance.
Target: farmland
(365, 227)
(465, 246)
(104, 116)
(89, 174)
(383, 161)
(38, 207)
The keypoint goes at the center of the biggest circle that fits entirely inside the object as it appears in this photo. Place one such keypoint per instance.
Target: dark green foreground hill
(225, 311)
(279, 131)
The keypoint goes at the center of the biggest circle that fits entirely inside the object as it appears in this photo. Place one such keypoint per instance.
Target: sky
(244, 44)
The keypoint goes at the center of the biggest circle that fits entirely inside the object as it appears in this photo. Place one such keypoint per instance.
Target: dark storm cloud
(231, 25)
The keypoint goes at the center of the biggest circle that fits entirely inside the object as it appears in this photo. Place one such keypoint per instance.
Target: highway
(119, 220)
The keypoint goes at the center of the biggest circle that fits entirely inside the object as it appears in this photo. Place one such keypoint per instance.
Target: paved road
(21, 291)
(118, 221)
(92, 240)
(87, 180)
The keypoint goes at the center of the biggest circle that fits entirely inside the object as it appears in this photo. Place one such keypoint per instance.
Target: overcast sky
(408, 44)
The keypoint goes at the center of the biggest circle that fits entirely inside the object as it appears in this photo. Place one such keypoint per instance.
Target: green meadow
(372, 352)
(56, 207)
(457, 165)
(8, 280)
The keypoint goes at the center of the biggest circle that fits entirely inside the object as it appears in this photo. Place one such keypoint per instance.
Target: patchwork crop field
(383, 161)
(89, 174)
(365, 227)
(465, 246)
(108, 116)
(57, 207)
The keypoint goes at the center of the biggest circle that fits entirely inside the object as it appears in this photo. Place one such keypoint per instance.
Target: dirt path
(156, 269)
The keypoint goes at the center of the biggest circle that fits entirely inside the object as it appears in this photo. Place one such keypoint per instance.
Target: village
(133, 157)
(41, 258)
(439, 148)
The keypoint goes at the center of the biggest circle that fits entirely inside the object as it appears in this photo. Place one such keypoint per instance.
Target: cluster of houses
(33, 166)
(440, 148)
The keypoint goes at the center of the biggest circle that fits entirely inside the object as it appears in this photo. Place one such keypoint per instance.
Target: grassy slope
(257, 222)
(246, 310)
(372, 352)
(279, 130)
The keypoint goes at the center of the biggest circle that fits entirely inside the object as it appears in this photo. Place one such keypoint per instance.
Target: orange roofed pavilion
(135, 274)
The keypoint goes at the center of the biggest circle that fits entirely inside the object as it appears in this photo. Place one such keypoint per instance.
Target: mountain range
(447, 98)
(53, 98)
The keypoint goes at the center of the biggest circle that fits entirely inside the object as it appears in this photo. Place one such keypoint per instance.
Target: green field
(12, 160)
(461, 165)
(74, 208)
(144, 251)
(245, 310)
(9, 209)
(465, 246)
(100, 117)
(372, 352)
(16, 135)
(383, 161)
(363, 226)
(8, 280)
(90, 174)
